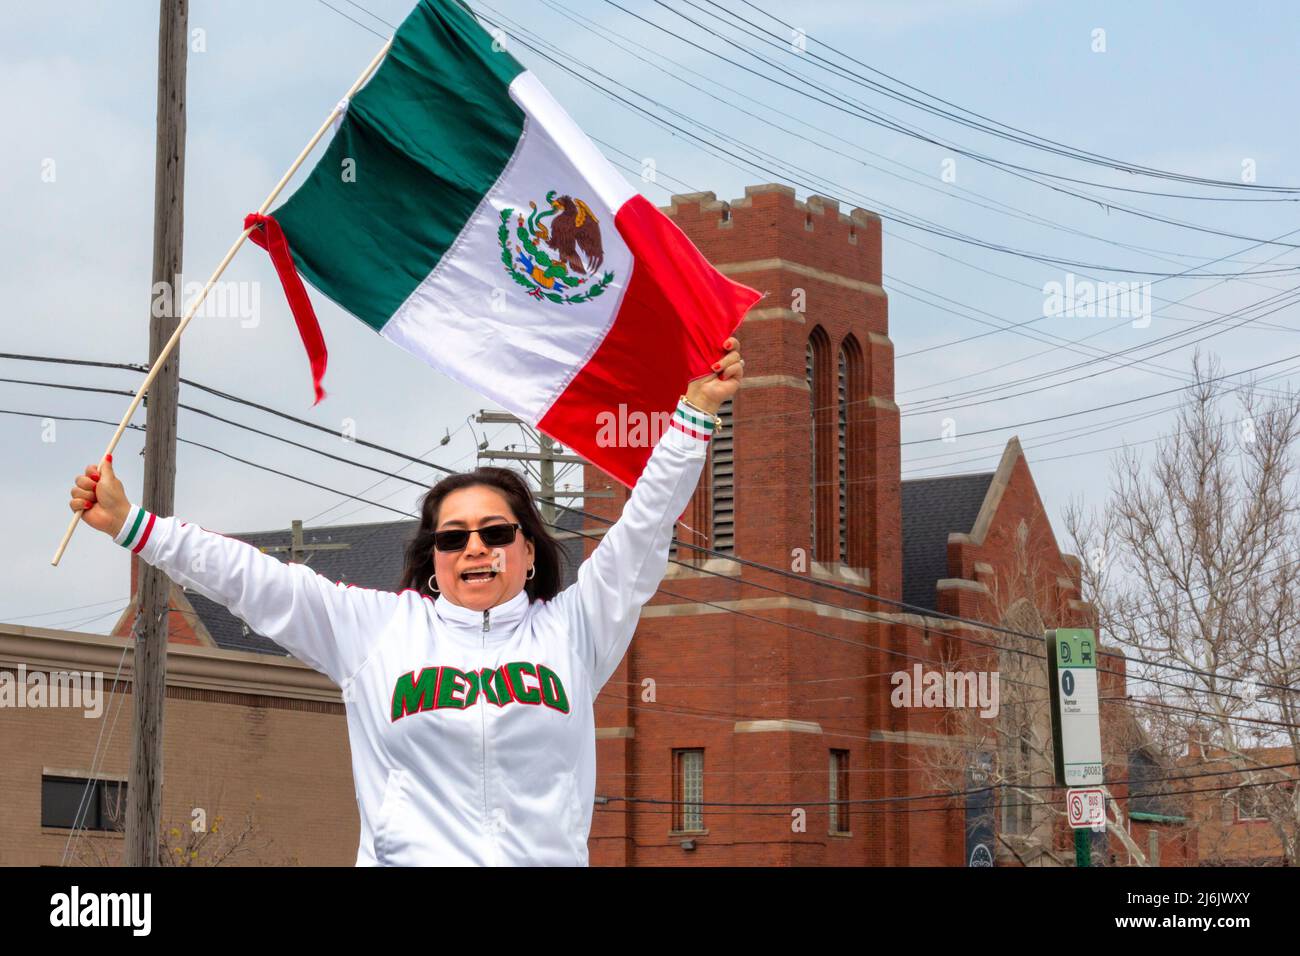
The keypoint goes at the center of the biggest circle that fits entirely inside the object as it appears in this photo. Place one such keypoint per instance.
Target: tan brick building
(255, 743)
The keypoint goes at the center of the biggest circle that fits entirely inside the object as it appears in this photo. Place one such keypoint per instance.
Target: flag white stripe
(472, 321)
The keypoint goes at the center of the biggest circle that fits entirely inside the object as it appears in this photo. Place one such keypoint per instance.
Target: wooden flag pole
(189, 313)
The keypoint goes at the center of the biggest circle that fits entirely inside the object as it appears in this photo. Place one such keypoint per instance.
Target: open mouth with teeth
(479, 575)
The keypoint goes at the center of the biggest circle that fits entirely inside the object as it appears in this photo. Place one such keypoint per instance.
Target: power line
(779, 571)
(1012, 327)
(955, 794)
(899, 217)
(1065, 343)
(1104, 358)
(62, 610)
(1074, 152)
(1101, 308)
(952, 191)
(858, 594)
(857, 110)
(824, 584)
(1292, 296)
(868, 614)
(567, 68)
(878, 117)
(1098, 408)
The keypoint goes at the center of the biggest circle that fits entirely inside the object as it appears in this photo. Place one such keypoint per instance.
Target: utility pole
(297, 548)
(546, 457)
(546, 476)
(149, 680)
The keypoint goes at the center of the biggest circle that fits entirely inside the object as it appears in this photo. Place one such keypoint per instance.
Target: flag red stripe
(675, 315)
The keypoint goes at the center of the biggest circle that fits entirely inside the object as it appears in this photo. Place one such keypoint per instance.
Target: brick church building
(753, 721)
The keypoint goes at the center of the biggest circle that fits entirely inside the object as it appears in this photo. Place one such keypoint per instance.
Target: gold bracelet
(717, 422)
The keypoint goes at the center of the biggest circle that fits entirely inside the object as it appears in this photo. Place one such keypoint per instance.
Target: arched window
(810, 362)
(1024, 730)
(842, 451)
(822, 463)
(722, 448)
(851, 407)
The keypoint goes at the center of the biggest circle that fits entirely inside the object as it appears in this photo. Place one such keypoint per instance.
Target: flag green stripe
(426, 138)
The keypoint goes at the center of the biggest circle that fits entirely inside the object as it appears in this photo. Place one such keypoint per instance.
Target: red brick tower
(771, 702)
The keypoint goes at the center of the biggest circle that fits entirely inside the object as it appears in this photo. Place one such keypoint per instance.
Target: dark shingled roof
(1149, 788)
(374, 559)
(932, 509)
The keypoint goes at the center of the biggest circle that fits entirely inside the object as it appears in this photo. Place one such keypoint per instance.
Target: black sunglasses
(493, 536)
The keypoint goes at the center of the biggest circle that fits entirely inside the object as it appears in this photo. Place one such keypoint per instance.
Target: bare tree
(1012, 751)
(1029, 808)
(195, 841)
(203, 842)
(1194, 562)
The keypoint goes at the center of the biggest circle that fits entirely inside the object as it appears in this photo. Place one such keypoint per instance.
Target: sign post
(1076, 730)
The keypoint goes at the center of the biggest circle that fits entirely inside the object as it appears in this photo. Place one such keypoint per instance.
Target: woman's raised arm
(603, 606)
(327, 626)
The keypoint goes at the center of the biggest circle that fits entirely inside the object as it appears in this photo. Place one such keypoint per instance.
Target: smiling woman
(470, 693)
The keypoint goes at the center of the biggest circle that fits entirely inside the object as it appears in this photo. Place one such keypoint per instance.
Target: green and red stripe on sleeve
(136, 529)
(692, 421)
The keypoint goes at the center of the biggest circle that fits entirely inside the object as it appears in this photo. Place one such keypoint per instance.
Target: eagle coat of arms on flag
(573, 235)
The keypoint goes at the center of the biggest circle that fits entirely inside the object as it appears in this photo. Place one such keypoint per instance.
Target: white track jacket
(472, 732)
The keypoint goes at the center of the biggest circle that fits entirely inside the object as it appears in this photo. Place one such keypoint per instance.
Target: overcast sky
(1189, 87)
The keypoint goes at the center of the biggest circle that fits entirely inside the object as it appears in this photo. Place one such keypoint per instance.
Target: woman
(470, 694)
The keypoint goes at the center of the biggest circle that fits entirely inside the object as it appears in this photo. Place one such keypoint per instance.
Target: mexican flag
(462, 214)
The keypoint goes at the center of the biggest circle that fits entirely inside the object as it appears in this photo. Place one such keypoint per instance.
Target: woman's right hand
(100, 495)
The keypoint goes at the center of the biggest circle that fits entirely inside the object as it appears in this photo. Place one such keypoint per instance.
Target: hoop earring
(433, 587)
(532, 572)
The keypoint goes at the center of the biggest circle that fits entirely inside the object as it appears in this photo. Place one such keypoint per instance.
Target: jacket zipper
(483, 739)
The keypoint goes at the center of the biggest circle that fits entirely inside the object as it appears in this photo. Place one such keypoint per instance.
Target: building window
(839, 791)
(850, 415)
(71, 802)
(1227, 809)
(821, 407)
(810, 362)
(723, 475)
(1251, 804)
(842, 436)
(1017, 808)
(688, 790)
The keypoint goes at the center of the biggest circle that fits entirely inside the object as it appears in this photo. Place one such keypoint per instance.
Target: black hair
(419, 565)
